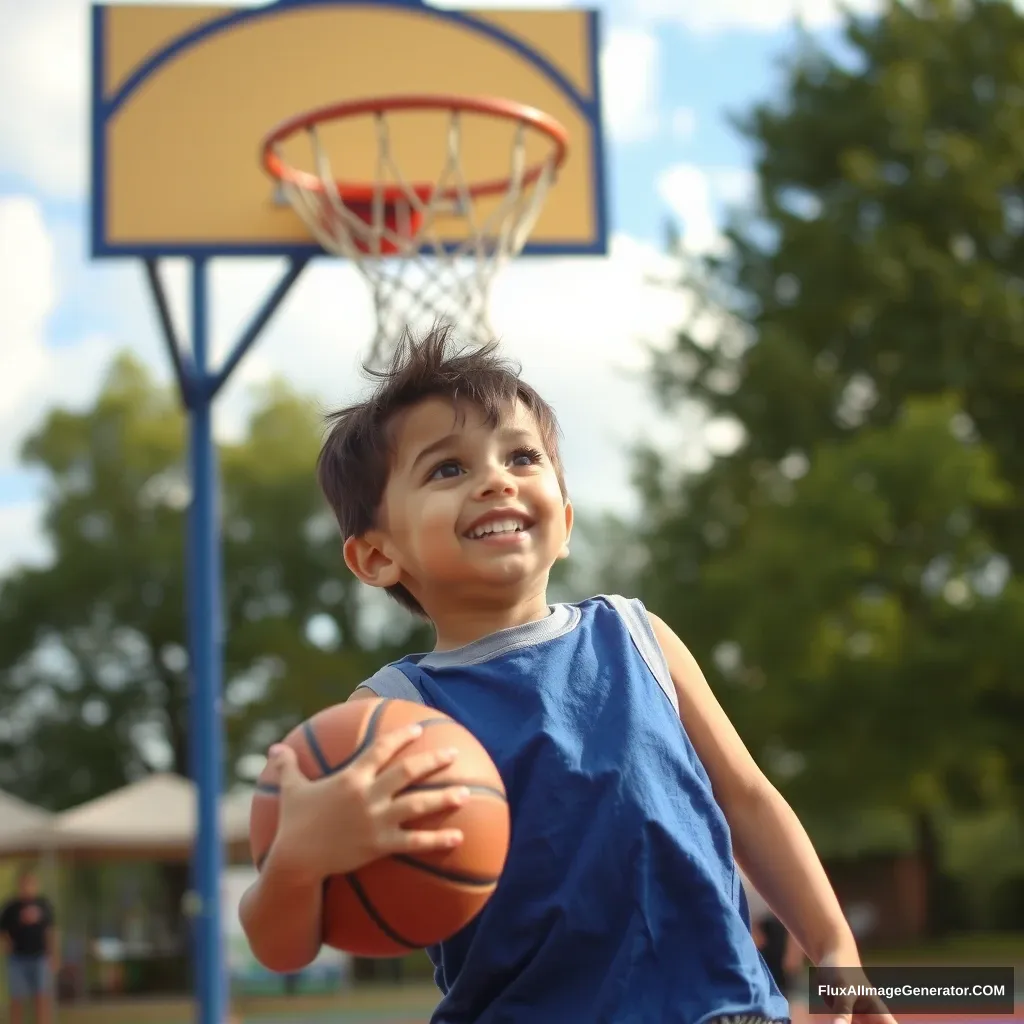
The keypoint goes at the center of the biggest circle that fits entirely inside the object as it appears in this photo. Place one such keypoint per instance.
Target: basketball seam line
(447, 875)
(318, 755)
(376, 917)
(314, 748)
(475, 788)
(314, 745)
(271, 789)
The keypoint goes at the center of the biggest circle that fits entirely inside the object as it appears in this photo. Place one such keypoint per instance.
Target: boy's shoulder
(395, 680)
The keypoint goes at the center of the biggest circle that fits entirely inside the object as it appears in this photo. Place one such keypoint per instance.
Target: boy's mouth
(499, 524)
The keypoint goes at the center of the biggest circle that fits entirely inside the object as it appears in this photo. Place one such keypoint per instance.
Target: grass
(368, 1004)
(412, 1003)
(409, 1004)
(994, 949)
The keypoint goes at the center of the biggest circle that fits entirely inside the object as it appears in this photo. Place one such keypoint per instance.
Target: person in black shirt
(778, 950)
(777, 947)
(29, 941)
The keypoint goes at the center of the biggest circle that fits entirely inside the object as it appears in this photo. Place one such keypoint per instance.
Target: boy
(628, 788)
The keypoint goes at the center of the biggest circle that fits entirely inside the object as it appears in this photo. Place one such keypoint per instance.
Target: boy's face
(467, 506)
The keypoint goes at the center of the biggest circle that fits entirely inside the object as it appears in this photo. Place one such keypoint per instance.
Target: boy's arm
(281, 912)
(280, 915)
(770, 844)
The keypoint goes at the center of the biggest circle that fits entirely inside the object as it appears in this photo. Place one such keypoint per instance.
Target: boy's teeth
(499, 526)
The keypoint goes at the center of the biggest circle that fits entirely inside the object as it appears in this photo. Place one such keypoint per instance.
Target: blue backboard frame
(104, 110)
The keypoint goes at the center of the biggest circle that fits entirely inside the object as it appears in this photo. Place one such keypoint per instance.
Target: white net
(396, 241)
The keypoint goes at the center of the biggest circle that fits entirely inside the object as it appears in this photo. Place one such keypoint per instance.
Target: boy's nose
(497, 480)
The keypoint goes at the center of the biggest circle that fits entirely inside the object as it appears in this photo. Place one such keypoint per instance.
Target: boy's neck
(458, 626)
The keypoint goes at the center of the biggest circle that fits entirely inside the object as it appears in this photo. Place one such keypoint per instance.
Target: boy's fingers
(418, 804)
(283, 765)
(396, 777)
(390, 743)
(411, 841)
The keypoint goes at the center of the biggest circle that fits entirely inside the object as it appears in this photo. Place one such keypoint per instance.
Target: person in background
(29, 937)
(777, 947)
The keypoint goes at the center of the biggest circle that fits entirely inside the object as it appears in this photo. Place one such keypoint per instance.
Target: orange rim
(359, 192)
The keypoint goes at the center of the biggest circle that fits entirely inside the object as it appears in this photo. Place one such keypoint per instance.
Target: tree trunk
(927, 843)
(176, 879)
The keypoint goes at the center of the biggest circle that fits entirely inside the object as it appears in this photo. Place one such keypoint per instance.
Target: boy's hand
(850, 1009)
(339, 823)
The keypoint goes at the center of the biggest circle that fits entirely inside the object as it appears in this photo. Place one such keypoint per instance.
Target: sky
(673, 71)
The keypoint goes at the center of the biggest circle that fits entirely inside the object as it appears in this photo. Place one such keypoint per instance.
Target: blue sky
(673, 70)
(704, 79)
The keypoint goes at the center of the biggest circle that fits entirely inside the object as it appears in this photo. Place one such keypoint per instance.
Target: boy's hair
(357, 456)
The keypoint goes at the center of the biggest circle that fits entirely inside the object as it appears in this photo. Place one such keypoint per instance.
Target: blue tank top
(620, 902)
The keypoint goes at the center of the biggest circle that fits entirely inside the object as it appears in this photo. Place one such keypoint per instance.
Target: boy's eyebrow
(433, 448)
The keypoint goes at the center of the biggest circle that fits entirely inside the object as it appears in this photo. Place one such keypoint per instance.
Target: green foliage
(93, 648)
(849, 575)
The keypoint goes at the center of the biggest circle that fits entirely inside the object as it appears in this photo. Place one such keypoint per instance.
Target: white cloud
(686, 190)
(34, 374)
(43, 79)
(752, 15)
(21, 542)
(683, 123)
(732, 185)
(694, 194)
(630, 66)
(27, 293)
(709, 16)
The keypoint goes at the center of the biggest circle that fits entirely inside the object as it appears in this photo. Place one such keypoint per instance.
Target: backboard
(182, 96)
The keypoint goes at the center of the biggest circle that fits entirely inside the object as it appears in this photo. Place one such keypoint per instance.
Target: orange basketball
(401, 903)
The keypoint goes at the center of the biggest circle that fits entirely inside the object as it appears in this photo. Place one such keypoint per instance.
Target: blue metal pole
(196, 754)
(195, 759)
(199, 386)
(204, 585)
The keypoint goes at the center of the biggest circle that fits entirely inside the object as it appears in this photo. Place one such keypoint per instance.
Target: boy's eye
(446, 470)
(526, 457)
(451, 468)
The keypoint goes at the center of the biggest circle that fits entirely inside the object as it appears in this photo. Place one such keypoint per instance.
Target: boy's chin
(521, 567)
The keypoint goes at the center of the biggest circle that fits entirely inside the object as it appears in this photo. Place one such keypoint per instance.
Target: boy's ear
(367, 558)
(569, 517)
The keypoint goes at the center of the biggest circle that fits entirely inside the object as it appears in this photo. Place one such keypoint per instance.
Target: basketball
(404, 902)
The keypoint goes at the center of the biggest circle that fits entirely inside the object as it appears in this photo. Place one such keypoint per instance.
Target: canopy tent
(19, 819)
(152, 818)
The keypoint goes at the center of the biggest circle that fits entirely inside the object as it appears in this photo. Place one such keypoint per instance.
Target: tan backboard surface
(182, 96)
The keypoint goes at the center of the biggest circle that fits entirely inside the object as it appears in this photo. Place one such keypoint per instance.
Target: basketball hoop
(390, 227)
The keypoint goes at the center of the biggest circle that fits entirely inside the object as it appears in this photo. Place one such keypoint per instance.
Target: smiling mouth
(499, 528)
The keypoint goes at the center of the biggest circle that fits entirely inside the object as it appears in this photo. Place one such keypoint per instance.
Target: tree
(93, 652)
(849, 575)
